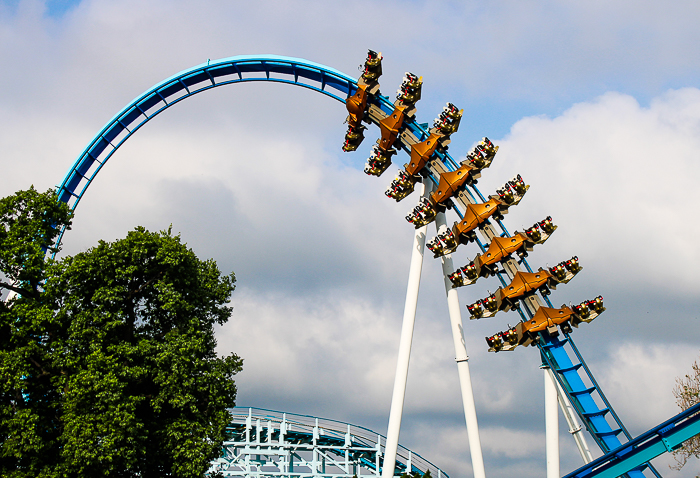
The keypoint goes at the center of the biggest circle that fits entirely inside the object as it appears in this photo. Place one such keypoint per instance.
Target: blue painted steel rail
(239, 69)
(578, 383)
(581, 396)
(337, 85)
(663, 438)
(227, 71)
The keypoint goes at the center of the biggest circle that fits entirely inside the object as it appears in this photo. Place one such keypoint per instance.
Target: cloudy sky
(595, 103)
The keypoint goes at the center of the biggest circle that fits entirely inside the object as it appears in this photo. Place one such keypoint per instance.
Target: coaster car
(500, 249)
(421, 154)
(475, 214)
(372, 69)
(402, 186)
(448, 121)
(512, 192)
(482, 155)
(443, 243)
(526, 333)
(356, 103)
(446, 124)
(525, 284)
(450, 184)
(410, 90)
(354, 137)
(390, 126)
(378, 161)
(546, 320)
(404, 183)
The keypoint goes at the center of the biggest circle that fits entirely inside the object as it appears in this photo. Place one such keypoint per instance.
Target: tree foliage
(687, 393)
(29, 225)
(107, 358)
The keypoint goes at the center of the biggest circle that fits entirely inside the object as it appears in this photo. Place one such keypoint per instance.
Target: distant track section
(270, 443)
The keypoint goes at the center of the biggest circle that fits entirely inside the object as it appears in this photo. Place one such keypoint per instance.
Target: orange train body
(450, 182)
(475, 215)
(545, 321)
(545, 318)
(390, 127)
(523, 283)
(356, 105)
(421, 153)
(500, 248)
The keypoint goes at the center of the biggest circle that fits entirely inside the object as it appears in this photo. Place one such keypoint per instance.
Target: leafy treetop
(107, 358)
(29, 224)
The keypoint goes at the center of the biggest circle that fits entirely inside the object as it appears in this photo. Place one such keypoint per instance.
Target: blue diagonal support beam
(661, 439)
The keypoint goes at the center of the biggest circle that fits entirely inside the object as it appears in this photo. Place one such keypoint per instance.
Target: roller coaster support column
(409, 318)
(551, 420)
(462, 359)
(575, 429)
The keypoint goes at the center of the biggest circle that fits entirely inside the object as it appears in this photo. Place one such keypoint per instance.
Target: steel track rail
(666, 437)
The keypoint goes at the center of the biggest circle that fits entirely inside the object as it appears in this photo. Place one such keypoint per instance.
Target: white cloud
(619, 180)
(642, 377)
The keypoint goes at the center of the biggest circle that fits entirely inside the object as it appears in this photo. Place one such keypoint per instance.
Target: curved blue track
(227, 71)
(238, 69)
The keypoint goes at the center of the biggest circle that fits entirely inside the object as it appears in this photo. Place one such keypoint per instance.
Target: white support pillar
(551, 419)
(409, 318)
(462, 360)
(575, 429)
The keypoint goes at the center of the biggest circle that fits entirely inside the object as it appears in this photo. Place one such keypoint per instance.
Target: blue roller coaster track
(562, 356)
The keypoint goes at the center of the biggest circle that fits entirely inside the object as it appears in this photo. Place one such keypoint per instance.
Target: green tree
(687, 393)
(107, 360)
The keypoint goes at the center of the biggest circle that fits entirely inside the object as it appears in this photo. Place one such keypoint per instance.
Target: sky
(596, 104)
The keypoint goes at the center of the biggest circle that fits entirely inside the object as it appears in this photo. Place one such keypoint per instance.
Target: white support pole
(462, 360)
(575, 429)
(409, 318)
(551, 419)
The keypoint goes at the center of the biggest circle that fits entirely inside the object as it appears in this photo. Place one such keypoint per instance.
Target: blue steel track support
(337, 85)
(663, 438)
(578, 383)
